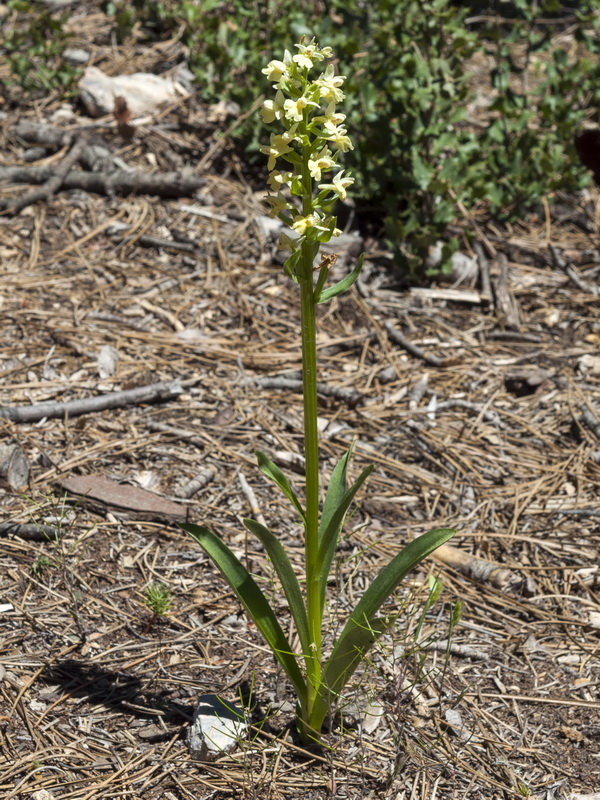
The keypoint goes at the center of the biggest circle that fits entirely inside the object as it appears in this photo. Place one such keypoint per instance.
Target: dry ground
(95, 696)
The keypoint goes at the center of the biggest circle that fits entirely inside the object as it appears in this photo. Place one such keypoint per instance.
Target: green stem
(311, 453)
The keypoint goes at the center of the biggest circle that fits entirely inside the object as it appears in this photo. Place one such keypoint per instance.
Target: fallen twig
(477, 568)
(571, 273)
(350, 396)
(181, 433)
(154, 241)
(29, 530)
(52, 185)
(163, 184)
(461, 650)
(251, 498)
(153, 393)
(411, 348)
(590, 421)
(512, 336)
(484, 272)
(507, 309)
(192, 487)
(489, 415)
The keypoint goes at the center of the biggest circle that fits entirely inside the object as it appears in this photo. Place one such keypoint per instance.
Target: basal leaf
(357, 644)
(354, 642)
(287, 576)
(329, 531)
(272, 471)
(253, 600)
(335, 491)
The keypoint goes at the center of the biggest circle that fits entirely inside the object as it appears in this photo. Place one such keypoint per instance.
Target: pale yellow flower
(275, 70)
(339, 185)
(278, 204)
(331, 117)
(278, 146)
(309, 53)
(294, 109)
(329, 85)
(301, 224)
(337, 135)
(277, 179)
(321, 161)
(272, 109)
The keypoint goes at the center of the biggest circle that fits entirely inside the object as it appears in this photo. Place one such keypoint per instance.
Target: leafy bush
(33, 39)
(409, 88)
(527, 148)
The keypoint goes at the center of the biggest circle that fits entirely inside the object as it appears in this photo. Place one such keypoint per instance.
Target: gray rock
(75, 56)
(216, 728)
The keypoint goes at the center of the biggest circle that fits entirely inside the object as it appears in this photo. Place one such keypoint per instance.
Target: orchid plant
(299, 156)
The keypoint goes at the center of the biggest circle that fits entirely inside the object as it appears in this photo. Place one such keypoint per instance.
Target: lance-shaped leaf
(287, 576)
(335, 491)
(343, 285)
(330, 529)
(272, 471)
(253, 600)
(357, 635)
(357, 644)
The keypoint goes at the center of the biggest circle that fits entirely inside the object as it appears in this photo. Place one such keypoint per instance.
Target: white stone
(217, 727)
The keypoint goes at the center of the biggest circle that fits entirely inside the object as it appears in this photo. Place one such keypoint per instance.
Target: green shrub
(527, 148)
(34, 39)
(409, 87)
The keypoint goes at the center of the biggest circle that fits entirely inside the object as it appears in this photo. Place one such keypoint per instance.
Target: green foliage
(527, 146)
(417, 152)
(41, 564)
(157, 596)
(409, 89)
(33, 39)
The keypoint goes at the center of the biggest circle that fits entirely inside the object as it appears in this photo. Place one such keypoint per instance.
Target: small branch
(484, 272)
(181, 433)
(192, 487)
(350, 396)
(119, 320)
(512, 336)
(489, 415)
(418, 392)
(153, 393)
(154, 241)
(399, 338)
(52, 185)
(571, 272)
(251, 498)
(590, 421)
(461, 650)
(163, 184)
(30, 531)
(476, 568)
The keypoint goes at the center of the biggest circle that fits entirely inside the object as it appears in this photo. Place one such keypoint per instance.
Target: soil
(491, 427)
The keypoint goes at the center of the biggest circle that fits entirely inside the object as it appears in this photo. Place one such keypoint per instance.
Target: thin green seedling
(158, 598)
(309, 145)
(41, 564)
(61, 515)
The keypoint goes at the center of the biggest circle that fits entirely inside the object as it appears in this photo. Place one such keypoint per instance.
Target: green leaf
(251, 597)
(271, 471)
(362, 628)
(287, 576)
(332, 521)
(323, 275)
(358, 643)
(343, 285)
(335, 491)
